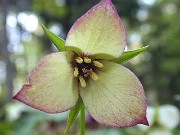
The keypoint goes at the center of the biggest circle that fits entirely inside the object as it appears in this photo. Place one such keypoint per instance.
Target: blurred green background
(147, 22)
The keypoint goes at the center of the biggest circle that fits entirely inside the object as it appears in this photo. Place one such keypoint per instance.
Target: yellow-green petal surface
(51, 87)
(117, 98)
(98, 33)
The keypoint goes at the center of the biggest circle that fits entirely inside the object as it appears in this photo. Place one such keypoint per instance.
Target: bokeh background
(147, 22)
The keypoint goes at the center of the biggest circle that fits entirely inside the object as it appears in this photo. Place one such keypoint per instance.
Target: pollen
(93, 76)
(76, 72)
(79, 60)
(87, 60)
(97, 64)
(82, 81)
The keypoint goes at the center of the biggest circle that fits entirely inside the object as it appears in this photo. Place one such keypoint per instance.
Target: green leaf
(129, 55)
(73, 114)
(58, 42)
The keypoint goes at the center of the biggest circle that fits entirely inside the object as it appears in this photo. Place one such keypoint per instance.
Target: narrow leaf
(129, 55)
(73, 114)
(58, 42)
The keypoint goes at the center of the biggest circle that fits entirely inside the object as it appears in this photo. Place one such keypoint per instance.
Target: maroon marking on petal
(145, 121)
(20, 97)
(117, 17)
(134, 123)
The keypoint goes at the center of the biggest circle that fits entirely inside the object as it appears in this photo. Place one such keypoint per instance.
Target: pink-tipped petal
(99, 33)
(51, 87)
(117, 98)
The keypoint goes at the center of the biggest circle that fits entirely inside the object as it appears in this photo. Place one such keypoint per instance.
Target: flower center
(85, 67)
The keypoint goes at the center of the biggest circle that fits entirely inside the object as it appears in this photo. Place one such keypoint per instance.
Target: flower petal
(51, 87)
(116, 98)
(98, 33)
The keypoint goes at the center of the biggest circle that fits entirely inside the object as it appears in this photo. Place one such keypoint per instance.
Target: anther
(93, 76)
(87, 60)
(76, 72)
(79, 60)
(86, 75)
(82, 81)
(97, 64)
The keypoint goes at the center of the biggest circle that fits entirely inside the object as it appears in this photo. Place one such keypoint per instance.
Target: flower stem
(82, 121)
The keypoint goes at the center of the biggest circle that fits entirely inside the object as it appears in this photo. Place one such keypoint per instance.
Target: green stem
(82, 121)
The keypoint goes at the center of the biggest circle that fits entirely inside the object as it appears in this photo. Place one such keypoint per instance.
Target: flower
(111, 93)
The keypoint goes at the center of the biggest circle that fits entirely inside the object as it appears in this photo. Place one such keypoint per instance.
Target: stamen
(87, 60)
(82, 81)
(79, 60)
(93, 76)
(97, 64)
(86, 75)
(76, 72)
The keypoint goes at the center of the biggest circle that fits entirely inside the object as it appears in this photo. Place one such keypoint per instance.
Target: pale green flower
(111, 93)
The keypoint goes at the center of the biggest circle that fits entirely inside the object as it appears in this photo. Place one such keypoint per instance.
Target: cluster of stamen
(85, 67)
